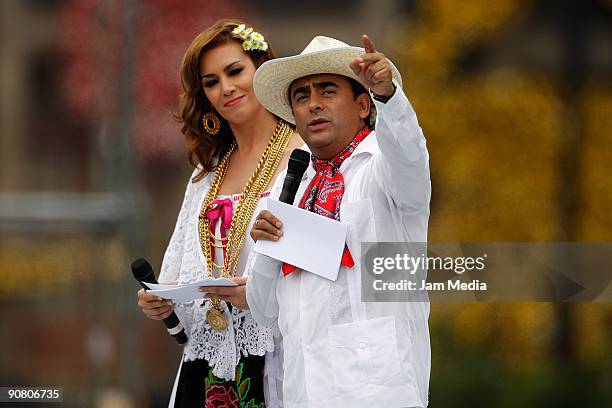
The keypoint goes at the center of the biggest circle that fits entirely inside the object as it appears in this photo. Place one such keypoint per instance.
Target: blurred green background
(515, 99)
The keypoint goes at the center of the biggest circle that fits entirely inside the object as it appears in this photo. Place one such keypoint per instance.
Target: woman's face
(226, 72)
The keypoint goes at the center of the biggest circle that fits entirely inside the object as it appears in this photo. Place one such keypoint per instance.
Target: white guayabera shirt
(339, 351)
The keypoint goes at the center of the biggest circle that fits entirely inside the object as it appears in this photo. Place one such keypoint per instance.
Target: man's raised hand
(373, 69)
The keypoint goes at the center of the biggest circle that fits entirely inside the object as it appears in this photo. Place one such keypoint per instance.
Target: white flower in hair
(239, 29)
(246, 33)
(252, 40)
(247, 45)
(262, 46)
(242, 31)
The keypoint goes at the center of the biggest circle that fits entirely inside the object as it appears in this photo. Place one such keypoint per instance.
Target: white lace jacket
(183, 263)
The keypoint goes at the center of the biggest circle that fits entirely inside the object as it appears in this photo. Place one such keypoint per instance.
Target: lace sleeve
(171, 264)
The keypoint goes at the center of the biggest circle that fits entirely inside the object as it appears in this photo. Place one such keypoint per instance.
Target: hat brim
(273, 78)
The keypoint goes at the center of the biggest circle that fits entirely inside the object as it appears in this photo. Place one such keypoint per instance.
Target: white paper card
(310, 241)
(158, 286)
(188, 291)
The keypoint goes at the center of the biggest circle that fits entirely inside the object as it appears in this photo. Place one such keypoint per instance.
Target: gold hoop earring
(212, 123)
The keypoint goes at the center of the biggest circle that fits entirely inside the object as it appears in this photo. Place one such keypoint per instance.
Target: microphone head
(298, 162)
(142, 270)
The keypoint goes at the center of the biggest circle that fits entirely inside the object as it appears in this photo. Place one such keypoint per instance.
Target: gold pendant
(215, 319)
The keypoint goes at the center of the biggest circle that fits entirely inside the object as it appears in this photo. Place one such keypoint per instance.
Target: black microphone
(298, 163)
(143, 273)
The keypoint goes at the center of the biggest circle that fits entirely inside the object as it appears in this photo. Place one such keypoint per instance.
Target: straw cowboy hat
(323, 55)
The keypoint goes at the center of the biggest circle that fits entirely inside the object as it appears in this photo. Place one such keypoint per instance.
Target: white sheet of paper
(158, 286)
(188, 291)
(310, 241)
(180, 294)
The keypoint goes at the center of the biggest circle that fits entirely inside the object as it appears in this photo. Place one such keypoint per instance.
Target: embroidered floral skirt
(198, 387)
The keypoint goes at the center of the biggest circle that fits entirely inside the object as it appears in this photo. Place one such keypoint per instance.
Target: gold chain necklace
(266, 167)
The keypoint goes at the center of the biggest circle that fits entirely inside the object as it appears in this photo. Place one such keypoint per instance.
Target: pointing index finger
(368, 45)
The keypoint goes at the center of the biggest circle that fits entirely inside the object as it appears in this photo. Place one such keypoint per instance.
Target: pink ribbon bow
(220, 210)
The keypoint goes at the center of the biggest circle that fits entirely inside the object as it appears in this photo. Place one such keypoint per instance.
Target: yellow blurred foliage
(493, 139)
(34, 265)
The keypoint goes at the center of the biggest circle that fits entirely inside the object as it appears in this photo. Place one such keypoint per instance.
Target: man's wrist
(384, 98)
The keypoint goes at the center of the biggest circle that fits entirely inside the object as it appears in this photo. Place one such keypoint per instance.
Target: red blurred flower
(90, 41)
(221, 396)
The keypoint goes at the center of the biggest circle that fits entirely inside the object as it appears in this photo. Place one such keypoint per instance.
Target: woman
(238, 149)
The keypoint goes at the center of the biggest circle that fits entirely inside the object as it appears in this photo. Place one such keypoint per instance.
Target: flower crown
(251, 40)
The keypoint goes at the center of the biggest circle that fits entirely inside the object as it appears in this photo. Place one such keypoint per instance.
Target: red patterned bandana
(324, 193)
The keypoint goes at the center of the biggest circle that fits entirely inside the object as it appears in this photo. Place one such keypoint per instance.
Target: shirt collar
(367, 146)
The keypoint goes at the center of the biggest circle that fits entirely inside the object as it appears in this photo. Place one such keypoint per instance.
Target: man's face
(327, 115)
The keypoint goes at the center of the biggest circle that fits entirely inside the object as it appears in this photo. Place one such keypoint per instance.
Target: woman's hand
(236, 295)
(153, 306)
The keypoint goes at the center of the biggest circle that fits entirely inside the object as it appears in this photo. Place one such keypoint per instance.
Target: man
(338, 350)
